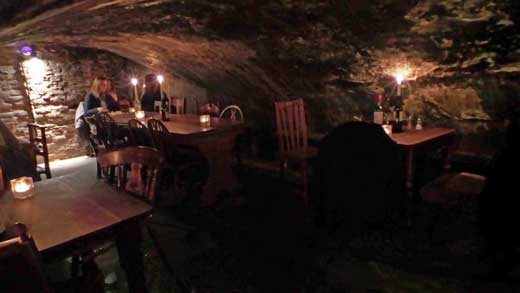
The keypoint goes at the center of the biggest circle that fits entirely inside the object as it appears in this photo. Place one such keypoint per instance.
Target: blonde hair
(95, 85)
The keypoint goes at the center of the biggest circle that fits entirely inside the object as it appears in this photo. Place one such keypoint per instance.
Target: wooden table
(427, 139)
(69, 214)
(216, 142)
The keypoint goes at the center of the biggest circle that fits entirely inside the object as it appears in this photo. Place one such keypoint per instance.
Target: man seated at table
(152, 93)
(101, 97)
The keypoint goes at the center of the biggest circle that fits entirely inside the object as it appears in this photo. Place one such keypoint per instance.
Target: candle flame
(160, 78)
(21, 187)
(134, 81)
(401, 74)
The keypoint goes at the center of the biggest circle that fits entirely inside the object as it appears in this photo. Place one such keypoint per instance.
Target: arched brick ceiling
(332, 52)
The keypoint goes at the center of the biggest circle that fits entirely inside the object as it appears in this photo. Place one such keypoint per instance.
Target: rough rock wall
(15, 110)
(338, 55)
(47, 89)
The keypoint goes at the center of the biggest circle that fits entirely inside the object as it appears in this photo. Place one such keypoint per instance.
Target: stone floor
(259, 246)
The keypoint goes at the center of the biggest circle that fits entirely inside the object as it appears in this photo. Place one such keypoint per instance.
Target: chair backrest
(138, 133)
(38, 139)
(157, 105)
(291, 126)
(145, 165)
(20, 266)
(124, 105)
(106, 129)
(159, 133)
(179, 105)
(232, 112)
(209, 108)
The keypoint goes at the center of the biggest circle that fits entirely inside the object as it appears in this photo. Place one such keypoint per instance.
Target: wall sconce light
(26, 51)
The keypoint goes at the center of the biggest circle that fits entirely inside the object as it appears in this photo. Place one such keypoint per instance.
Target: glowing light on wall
(35, 69)
(26, 50)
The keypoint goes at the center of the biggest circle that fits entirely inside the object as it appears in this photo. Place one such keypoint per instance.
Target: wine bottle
(378, 111)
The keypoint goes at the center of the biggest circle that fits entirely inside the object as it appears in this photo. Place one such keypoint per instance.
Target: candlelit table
(415, 141)
(70, 214)
(216, 142)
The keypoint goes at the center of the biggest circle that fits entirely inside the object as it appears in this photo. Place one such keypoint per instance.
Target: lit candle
(205, 120)
(137, 101)
(22, 187)
(160, 79)
(139, 114)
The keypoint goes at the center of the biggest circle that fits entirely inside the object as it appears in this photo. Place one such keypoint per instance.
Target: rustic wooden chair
(291, 127)
(20, 265)
(232, 112)
(38, 140)
(138, 134)
(108, 131)
(186, 164)
(179, 105)
(142, 180)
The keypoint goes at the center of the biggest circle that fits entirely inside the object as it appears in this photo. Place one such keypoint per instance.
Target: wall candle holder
(22, 187)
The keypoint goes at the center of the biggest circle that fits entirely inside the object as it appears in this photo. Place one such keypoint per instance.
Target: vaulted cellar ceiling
(337, 54)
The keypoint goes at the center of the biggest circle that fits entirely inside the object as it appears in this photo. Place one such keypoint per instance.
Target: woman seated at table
(152, 93)
(101, 97)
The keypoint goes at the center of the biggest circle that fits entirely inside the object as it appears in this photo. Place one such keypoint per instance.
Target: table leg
(410, 172)
(130, 257)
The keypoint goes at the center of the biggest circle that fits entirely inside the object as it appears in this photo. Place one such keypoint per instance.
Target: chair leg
(47, 169)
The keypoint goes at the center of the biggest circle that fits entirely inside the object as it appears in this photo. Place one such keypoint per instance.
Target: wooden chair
(20, 265)
(187, 166)
(232, 112)
(292, 133)
(142, 180)
(108, 131)
(138, 134)
(38, 141)
(179, 104)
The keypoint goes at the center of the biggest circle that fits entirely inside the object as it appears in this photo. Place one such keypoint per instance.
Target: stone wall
(14, 104)
(48, 87)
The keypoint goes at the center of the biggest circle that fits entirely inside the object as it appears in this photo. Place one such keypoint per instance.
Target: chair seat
(451, 189)
(298, 155)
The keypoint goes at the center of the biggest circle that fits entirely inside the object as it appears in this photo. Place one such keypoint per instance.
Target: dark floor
(266, 242)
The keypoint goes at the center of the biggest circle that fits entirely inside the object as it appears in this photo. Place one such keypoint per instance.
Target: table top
(186, 124)
(69, 207)
(417, 137)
